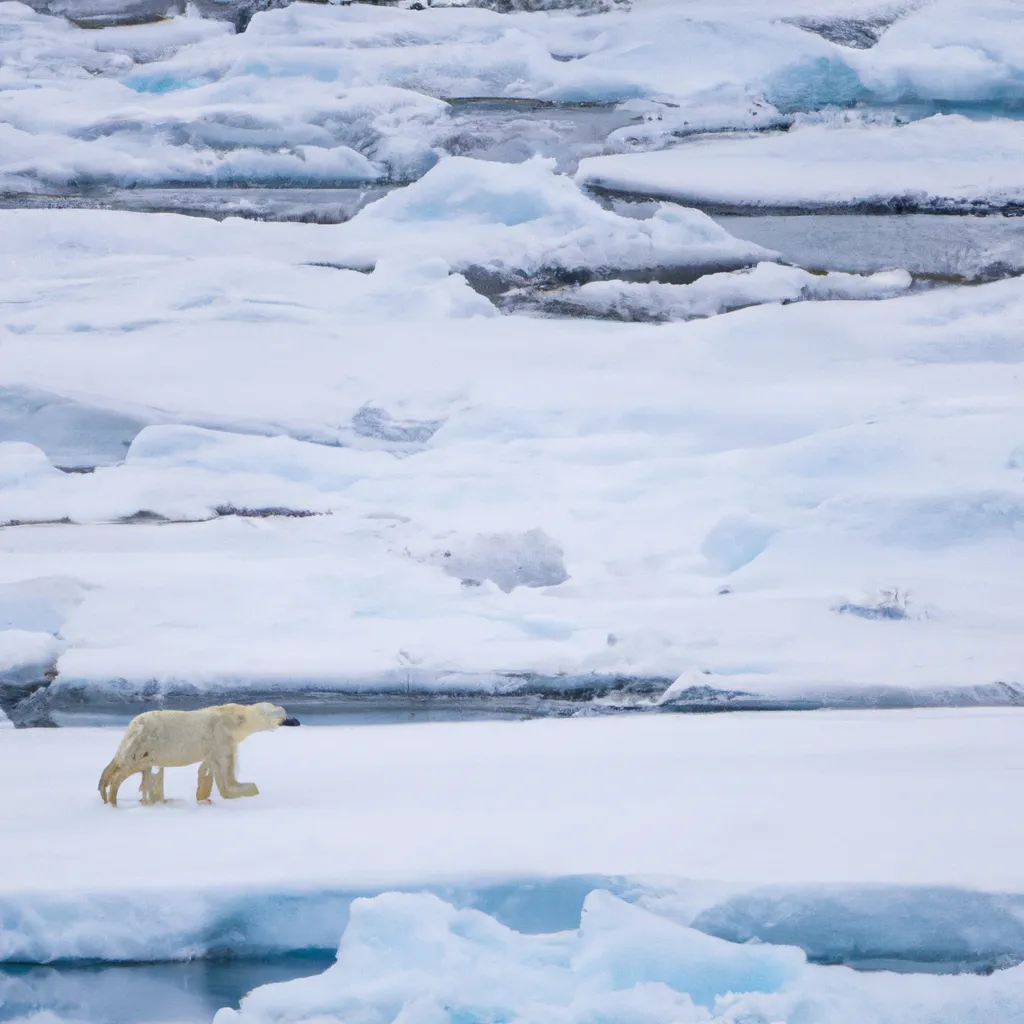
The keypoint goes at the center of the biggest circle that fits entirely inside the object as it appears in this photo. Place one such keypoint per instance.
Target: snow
(413, 957)
(850, 807)
(944, 162)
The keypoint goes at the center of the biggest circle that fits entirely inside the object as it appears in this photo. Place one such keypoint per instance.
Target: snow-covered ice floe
(712, 294)
(855, 836)
(945, 163)
(852, 838)
(337, 481)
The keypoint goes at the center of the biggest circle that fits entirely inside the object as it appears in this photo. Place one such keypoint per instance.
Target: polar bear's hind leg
(224, 774)
(204, 787)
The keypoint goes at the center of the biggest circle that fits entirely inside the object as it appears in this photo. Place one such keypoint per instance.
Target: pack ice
(373, 480)
(347, 94)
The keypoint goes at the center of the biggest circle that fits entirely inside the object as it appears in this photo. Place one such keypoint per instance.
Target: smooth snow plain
(849, 834)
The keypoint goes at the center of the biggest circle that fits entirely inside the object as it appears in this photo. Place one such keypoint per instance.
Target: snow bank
(414, 957)
(945, 162)
(719, 293)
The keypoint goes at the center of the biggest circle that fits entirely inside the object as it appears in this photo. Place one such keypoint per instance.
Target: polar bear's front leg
(224, 774)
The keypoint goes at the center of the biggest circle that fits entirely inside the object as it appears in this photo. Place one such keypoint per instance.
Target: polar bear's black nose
(291, 721)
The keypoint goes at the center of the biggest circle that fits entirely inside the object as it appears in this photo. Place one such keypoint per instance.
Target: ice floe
(870, 821)
(718, 293)
(942, 163)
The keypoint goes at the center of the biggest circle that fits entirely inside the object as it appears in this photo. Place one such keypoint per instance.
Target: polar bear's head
(266, 716)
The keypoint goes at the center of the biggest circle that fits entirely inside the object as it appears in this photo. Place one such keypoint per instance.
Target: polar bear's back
(169, 739)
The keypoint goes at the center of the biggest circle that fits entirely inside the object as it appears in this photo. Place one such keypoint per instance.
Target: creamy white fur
(208, 737)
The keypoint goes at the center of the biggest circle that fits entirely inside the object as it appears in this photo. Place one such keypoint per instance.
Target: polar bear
(208, 737)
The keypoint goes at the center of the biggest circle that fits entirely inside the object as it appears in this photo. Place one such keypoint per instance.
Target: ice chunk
(26, 657)
(945, 162)
(951, 52)
(664, 124)
(407, 957)
(24, 464)
(522, 220)
(530, 559)
(718, 293)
